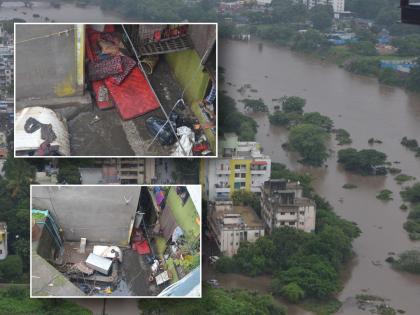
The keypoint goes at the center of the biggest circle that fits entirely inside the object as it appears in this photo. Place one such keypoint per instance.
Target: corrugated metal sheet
(31, 141)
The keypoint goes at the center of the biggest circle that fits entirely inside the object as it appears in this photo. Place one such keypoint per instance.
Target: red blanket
(133, 97)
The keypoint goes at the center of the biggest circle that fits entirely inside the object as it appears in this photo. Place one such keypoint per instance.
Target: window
(237, 167)
(291, 223)
(243, 175)
(257, 234)
(302, 212)
(282, 223)
(243, 185)
(237, 175)
(282, 213)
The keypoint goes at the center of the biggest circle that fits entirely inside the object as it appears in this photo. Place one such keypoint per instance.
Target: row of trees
(215, 301)
(412, 225)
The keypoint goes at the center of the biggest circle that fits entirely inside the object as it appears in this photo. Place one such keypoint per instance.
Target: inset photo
(121, 90)
(115, 241)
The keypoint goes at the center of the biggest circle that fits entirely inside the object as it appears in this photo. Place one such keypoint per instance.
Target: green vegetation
(293, 104)
(411, 144)
(402, 178)
(412, 194)
(384, 195)
(15, 300)
(11, 269)
(279, 118)
(280, 171)
(185, 215)
(319, 120)
(69, 173)
(309, 141)
(412, 225)
(365, 162)
(231, 120)
(255, 105)
(247, 198)
(349, 186)
(324, 307)
(343, 137)
(14, 201)
(215, 301)
(408, 261)
(321, 17)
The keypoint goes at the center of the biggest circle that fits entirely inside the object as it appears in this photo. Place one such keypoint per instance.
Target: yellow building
(241, 165)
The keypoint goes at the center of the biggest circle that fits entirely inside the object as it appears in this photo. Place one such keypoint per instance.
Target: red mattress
(133, 97)
(142, 247)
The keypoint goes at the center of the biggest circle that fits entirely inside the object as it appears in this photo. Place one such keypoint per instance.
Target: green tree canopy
(309, 141)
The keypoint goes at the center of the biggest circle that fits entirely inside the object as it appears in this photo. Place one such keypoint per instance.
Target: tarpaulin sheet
(159, 197)
(134, 96)
(142, 247)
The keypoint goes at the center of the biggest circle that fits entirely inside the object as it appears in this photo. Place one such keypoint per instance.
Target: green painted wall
(184, 66)
(185, 215)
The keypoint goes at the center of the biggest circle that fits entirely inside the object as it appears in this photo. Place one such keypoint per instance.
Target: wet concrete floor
(97, 132)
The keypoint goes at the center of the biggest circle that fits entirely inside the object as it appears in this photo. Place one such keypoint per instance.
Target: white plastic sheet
(186, 136)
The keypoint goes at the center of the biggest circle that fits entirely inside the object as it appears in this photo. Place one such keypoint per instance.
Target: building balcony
(220, 171)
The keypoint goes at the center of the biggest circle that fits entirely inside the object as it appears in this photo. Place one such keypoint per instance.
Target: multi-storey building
(230, 225)
(241, 165)
(338, 5)
(120, 171)
(282, 205)
(6, 66)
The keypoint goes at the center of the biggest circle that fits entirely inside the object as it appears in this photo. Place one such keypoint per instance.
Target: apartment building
(230, 225)
(241, 165)
(338, 5)
(3, 240)
(6, 66)
(282, 205)
(119, 171)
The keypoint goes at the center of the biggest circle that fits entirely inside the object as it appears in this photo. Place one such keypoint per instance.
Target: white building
(338, 5)
(282, 205)
(3, 240)
(230, 225)
(6, 66)
(241, 165)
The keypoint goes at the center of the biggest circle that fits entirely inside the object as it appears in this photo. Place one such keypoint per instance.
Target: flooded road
(365, 109)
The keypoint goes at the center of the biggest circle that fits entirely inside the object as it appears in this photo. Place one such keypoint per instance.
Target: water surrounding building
(282, 205)
(241, 165)
(230, 225)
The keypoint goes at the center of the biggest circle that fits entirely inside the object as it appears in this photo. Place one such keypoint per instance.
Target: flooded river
(364, 108)
(68, 12)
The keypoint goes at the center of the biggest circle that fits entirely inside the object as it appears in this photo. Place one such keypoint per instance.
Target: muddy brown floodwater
(364, 108)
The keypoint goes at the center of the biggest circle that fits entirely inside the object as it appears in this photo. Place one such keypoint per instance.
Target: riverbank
(315, 45)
